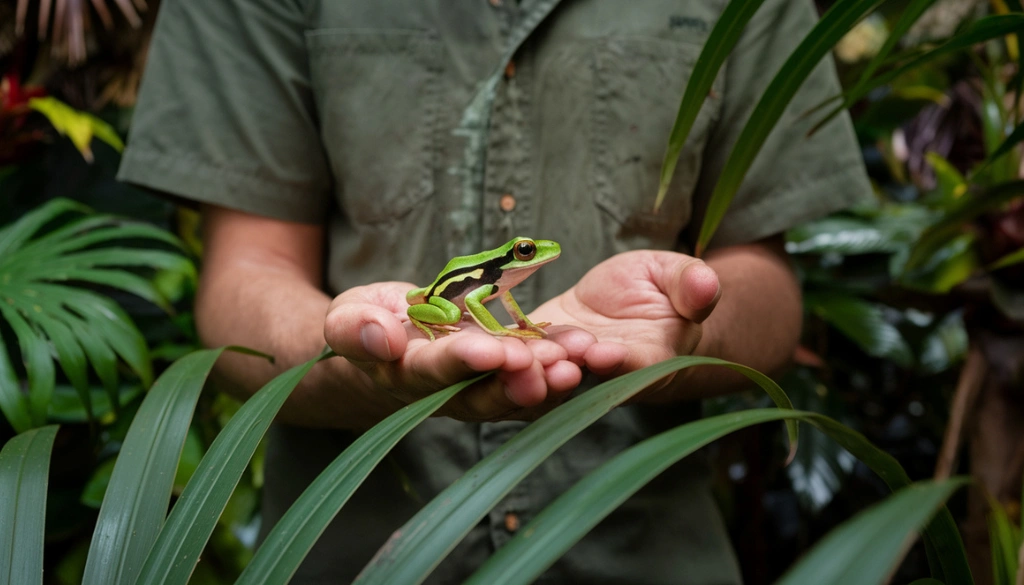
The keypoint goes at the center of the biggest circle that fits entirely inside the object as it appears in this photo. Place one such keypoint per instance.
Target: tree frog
(467, 282)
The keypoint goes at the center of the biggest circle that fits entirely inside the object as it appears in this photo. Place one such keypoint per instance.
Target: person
(343, 152)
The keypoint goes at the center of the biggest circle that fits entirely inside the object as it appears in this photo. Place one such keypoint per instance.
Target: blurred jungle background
(914, 304)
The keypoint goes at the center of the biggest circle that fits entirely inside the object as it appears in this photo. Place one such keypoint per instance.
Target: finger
(562, 377)
(524, 388)
(605, 357)
(573, 340)
(691, 285)
(457, 356)
(358, 327)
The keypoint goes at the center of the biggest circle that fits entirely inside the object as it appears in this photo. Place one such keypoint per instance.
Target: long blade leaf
(296, 532)
(423, 542)
(566, 520)
(984, 29)
(24, 473)
(140, 487)
(910, 15)
(719, 44)
(826, 33)
(181, 541)
(864, 550)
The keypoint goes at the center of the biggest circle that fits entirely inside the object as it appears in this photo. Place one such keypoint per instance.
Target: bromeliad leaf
(41, 255)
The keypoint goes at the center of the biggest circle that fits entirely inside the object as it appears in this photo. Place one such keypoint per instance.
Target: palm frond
(45, 277)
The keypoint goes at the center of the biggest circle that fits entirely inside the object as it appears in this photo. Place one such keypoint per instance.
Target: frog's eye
(525, 250)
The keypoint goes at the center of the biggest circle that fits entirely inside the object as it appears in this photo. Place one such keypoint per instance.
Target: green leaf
(79, 126)
(118, 279)
(908, 17)
(1008, 260)
(85, 329)
(96, 487)
(24, 473)
(17, 233)
(284, 548)
(866, 549)
(945, 345)
(889, 229)
(13, 403)
(424, 541)
(570, 517)
(91, 231)
(863, 323)
(983, 29)
(951, 183)
(835, 23)
(951, 225)
(182, 538)
(719, 44)
(70, 355)
(35, 353)
(140, 487)
(1004, 539)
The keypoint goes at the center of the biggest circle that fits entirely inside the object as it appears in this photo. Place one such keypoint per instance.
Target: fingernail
(375, 341)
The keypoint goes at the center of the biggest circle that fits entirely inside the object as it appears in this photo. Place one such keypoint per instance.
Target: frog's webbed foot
(525, 333)
(527, 329)
(429, 328)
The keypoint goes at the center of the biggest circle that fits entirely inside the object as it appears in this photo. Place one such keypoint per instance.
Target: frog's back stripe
(490, 273)
(457, 279)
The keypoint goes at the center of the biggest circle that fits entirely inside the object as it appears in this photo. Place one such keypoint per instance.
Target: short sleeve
(794, 178)
(226, 114)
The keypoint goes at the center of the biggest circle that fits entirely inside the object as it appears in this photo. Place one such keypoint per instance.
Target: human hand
(368, 326)
(650, 302)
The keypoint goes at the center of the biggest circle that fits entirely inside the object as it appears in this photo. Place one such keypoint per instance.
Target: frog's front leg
(438, 314)
(484, 318)
(521, 319)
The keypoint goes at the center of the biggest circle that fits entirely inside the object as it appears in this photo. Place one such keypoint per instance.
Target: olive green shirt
(422, 129)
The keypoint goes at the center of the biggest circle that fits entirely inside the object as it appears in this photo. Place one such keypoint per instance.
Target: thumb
(692, 286)
(358, 327)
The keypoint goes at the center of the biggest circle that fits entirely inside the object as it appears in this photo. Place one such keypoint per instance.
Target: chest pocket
(376, 94)
(638, 83)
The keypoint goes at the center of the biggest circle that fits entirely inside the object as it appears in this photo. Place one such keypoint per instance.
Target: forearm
(270, 301)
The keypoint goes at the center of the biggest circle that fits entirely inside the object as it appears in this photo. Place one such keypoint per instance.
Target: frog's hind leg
(521, 319)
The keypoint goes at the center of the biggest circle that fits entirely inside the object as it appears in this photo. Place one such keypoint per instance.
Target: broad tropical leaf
(835, 23)
(41, 255)
(969, 207)
(424, 541)
(863, 323)
(281, 553)
(188, 527)
(24, 473)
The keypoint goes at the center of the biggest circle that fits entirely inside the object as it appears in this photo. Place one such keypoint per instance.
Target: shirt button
(511, 521)
(507, 202)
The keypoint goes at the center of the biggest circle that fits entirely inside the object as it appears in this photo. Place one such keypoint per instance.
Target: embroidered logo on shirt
(687, 23)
